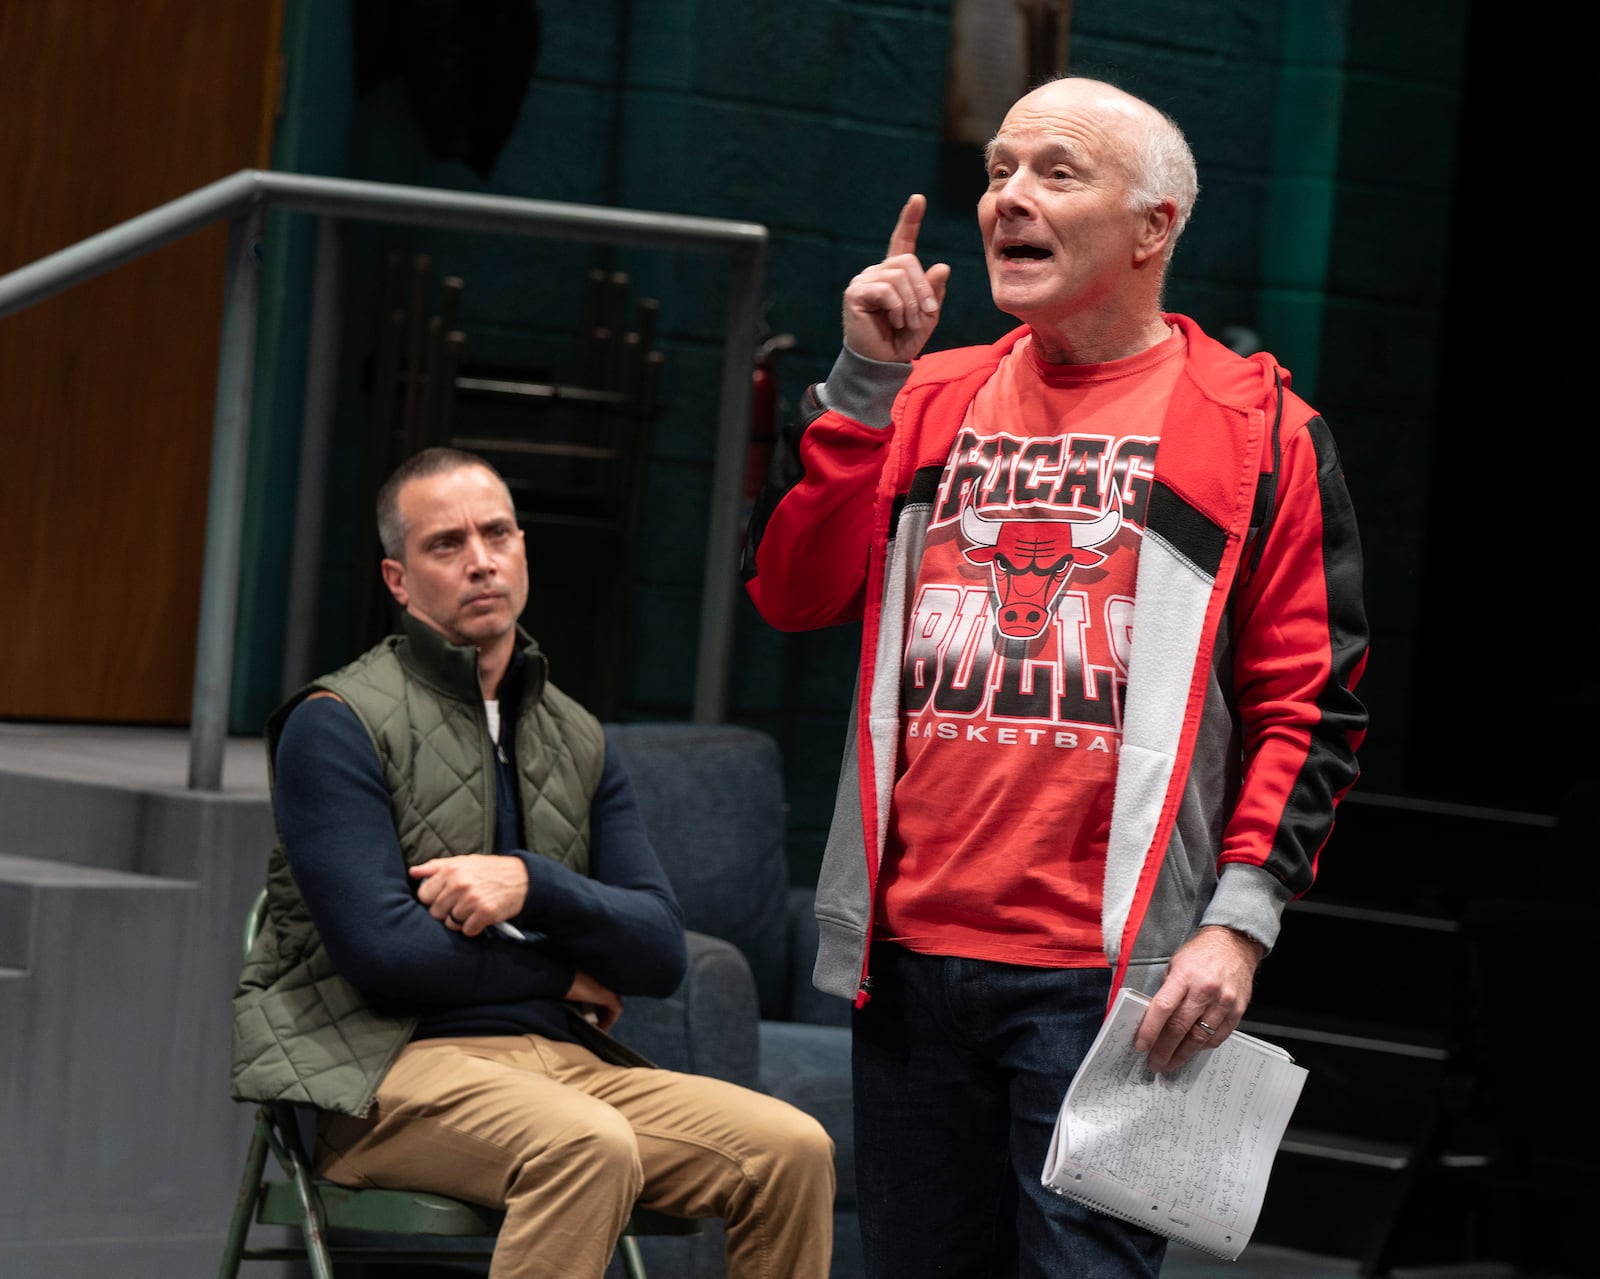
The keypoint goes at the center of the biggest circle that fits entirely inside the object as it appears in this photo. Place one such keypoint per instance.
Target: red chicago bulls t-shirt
(1015, 663)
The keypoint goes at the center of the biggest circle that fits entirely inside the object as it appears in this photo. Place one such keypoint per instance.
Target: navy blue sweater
(620, 924)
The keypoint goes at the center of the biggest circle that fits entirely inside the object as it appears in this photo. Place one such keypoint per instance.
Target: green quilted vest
(301, 1033)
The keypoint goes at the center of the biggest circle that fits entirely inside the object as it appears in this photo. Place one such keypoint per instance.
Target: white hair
(1161, 167)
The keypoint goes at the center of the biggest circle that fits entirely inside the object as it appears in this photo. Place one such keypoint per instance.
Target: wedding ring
(1210, 1030)
(459, 923)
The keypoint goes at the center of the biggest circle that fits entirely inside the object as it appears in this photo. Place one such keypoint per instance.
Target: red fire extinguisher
(763, 417)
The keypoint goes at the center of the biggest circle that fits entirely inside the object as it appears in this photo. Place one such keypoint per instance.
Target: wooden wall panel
(107, 109)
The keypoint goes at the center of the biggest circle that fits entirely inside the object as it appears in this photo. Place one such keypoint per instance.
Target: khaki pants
(566, 1143)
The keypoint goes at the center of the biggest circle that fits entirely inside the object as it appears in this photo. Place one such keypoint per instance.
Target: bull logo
(1030, 560)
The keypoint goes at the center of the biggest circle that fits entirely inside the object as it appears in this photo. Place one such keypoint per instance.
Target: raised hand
(892, 308)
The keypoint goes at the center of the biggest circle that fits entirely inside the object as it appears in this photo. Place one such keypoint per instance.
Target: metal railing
(244, 199)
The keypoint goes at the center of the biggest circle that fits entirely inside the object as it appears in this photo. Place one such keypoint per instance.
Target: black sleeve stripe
(784, 472)
(1330, 765)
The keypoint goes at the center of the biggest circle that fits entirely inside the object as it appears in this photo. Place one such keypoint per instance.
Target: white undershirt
(492, 710)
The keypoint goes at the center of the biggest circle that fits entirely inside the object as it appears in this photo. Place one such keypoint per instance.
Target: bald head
(1151, 149)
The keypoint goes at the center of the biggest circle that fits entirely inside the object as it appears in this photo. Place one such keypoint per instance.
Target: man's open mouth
(1024, 253)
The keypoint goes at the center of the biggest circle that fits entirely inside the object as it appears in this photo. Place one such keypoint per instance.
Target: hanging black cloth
(466, 65)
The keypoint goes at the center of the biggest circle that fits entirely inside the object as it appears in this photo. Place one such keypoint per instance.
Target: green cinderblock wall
(1325, 139)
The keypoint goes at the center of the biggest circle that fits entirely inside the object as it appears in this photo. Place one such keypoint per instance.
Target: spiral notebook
(1185, 1154)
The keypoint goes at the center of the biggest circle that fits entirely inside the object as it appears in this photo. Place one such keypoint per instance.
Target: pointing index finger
(904, 239)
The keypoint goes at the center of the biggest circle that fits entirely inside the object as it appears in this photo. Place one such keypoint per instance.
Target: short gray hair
(419, 466)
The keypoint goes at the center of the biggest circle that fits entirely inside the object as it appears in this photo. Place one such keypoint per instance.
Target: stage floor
(158, 759)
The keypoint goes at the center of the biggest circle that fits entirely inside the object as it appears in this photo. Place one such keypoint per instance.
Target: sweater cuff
(862, 389)
(1248, 900)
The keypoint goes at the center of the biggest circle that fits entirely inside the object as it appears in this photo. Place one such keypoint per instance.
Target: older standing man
(463, 893)
(1110, 586)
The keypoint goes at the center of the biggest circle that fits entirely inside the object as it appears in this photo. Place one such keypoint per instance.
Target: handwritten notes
(1185, 1154)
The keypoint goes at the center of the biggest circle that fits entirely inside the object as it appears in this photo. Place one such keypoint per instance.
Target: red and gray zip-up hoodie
(1240, 724)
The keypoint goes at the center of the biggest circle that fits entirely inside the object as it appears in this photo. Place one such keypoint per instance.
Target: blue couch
(713, 802)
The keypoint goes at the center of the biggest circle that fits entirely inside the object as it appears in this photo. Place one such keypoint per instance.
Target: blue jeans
(959, 1068)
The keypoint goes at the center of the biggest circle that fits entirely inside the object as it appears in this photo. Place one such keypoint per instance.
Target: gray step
(21, 878)
(104, 825)
(114, 1039)
(145, 759)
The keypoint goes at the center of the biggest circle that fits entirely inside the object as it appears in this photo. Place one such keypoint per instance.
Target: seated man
(462, 896)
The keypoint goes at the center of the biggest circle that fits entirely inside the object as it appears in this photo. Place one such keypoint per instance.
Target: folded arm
(333, 813)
